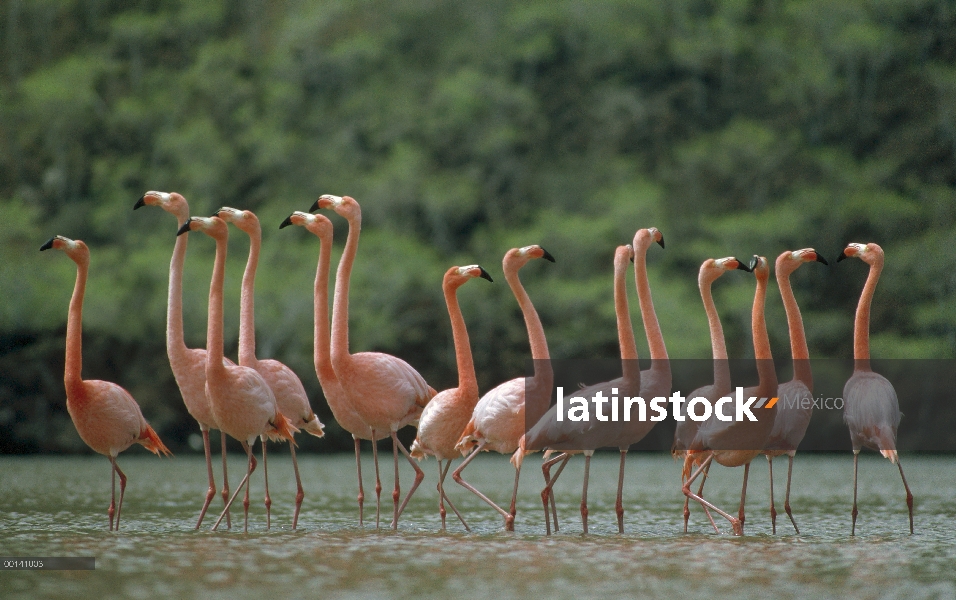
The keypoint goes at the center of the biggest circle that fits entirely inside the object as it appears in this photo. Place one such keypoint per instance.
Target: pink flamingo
(345, 415)
(498, 421)
(686, 430)
(445, 417)
(549, 432)
(872, 411)
(106, 416)
(188, 364)
(242, 402)
(289, 392)
(792, 418)
(726, 441)
(384, 390)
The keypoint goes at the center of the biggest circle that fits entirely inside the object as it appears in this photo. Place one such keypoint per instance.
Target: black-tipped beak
(547, 255)
(632, 258)
(842, 256)
(47, 245)
(661, 241)
(485, 275)
(820, 258)
(286, 223)
(753, 263)
(141, 202)
(315, 207)
(216, 214)
(742, 266)
(184, 228)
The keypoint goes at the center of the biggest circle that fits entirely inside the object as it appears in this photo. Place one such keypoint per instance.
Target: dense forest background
(464, 129)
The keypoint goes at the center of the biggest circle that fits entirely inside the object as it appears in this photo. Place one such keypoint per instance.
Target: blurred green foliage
(465, 129)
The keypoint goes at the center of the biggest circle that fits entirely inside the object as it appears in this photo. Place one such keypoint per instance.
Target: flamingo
(289, 392)
(549, 432)
(498, 421)
(727, 442)
(792, 418)
(105, 415)
(872, 410)
(242, 402)
(188, 364)
(345, 415)
(384, 390)
(445, 417)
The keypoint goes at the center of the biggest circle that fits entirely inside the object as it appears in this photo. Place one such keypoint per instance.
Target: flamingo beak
(185, 228)
(140, 203)
(47, 245)
(286, 223)
(546, 255)
(485, 275)
(661, 241)
(742, 266)
(820, 259)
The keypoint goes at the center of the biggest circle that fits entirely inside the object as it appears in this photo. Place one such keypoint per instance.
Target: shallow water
(57, 507)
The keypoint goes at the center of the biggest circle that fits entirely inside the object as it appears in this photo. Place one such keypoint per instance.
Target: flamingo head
(345, 206)
(214, 227)
(243, 219)
(457, 276)
(644, 237)
(171, 202)
(869, 253)
(760, 267)
(75, 249)
(789, 261)
(623, 255)
(712, 268)
(319, 225)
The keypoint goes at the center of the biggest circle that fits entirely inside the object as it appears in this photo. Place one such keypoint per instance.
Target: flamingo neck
(765, 369)
(175, 338)
(340, 303)
(717, 343)
(625, 331)
(214, 325)
(543, 372)
(467, 381)
(655, 339)
(247, 308)
(798, 338)
(322, 336)
(72, 374)
(861, 325)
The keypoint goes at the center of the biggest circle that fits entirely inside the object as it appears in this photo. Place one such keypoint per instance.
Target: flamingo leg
(441, 489)
(510, 526)
(358, 467)
(225, 482)
(619, 503)
(743, 497)
(786, 502)
(441, 497)
(549, 487)
(112, 509)
(397, 492)
(299, 493)
(378, 481)
(419, 477)
(584, 492)
(909, 497)
(211, 492)
(456, 475)
(700, 492)
(854, 512)
(122, 476)
(734, 522)
(265, 476)
(245, 480)
(773, 510)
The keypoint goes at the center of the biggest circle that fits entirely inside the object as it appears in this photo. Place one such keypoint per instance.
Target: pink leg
(743, 497)
(909, 497)
(548, 490)
(265, 476)
(786, 502)
(584, 492)
(378, 481)
(419, 477)
(773, 510)
(456, 475)
(358, 467)
(441, 497)
(111, 511)
(510, 525)
(397, 492)
(619, 504)
(243, 483)
(854, 512)
(299, 493)
(211, 491)
(734, 522)
(122, 476)
(225, 482)
(700, 492)
(441, 490)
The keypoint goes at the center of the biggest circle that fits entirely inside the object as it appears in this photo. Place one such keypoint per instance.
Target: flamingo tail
(150, 440)
(282, 430)
(314, 426)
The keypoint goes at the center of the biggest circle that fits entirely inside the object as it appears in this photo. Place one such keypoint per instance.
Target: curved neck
(798, 338)
(247, 308)
(175, 338)
(214, 343)
(861, 325)
(625, 331)
(543, 372)
(72, 373)
(765, 369)
(655, 340)
(320, 297)
(340, 304)
(717, 343)
(467, 381)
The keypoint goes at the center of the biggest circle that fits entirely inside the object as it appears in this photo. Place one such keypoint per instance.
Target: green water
(57, 507)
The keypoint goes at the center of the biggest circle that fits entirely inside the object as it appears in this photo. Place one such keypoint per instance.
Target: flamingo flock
(372, 395)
